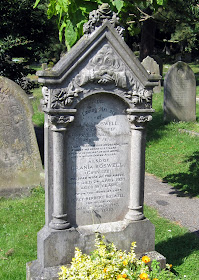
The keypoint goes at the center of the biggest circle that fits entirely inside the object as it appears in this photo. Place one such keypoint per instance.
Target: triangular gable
(85, 45)
(99, 62)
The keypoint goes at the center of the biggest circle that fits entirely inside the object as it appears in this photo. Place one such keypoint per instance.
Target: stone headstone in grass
(20, 163)
(180, 93)
(152, 67)
(97, 102)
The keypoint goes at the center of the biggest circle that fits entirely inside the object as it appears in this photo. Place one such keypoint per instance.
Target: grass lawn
(171, 154)
(20, 221)
(177, 244)
(38, 117)
(22, 218)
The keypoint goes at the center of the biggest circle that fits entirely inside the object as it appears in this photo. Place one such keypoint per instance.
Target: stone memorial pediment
(100, 62)
(97, 101)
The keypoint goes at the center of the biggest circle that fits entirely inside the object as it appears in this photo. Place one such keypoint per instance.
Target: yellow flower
(143, 276)
(133, 244)
(125, 262)
(170, 265)
(119, 276)
(105, 269)
(155, 278)
(124, 275)
(146, 259)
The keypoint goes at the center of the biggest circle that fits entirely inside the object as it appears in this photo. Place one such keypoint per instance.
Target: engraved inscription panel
(98, 149)
(183, 84)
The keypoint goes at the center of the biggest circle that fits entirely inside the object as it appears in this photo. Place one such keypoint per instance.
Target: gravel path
(171, 203)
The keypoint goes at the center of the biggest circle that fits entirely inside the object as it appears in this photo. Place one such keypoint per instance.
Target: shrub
(107, 262)
(16, 71)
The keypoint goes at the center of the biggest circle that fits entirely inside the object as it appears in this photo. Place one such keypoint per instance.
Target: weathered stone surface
(60, 245)
(152, 67)
(20, 163)
(180, 93)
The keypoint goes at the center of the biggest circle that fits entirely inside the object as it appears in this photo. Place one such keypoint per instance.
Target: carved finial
(97, 18)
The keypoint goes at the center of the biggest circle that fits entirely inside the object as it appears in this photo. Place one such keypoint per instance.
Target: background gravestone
(20, 163)
(153, 68)
(180, 93)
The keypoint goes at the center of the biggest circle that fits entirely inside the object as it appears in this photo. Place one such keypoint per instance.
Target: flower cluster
(106, 262)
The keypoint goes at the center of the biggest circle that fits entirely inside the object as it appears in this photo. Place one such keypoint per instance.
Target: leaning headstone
(20, 163)
(97, 102)
(180, 93)
(153, 68)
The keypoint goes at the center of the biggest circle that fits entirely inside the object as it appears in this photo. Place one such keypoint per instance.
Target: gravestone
(20, 163)
(159, 61)
(152, 67)
(97, 102)
(180, 93)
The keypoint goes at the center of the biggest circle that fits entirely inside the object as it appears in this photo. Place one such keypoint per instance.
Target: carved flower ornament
(105, 68)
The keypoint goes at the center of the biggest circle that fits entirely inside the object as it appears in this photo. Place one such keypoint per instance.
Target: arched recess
(98, 160)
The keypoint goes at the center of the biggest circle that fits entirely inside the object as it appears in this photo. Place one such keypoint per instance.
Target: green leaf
(118, 4)
(160, 2)
(61, 30)
(70, 34)
(36, 3)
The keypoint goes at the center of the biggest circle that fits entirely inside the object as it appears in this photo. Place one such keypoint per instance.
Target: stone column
(59, 124)
(137, 165)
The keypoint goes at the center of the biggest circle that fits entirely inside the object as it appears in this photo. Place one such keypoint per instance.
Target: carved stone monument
(180, 93)
(97, 102)
(20, 163)
(152, 67)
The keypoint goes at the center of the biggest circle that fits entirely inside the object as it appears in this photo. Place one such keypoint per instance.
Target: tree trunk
(147, 38)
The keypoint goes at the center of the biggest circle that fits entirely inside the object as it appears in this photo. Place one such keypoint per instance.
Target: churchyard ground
(171, 154)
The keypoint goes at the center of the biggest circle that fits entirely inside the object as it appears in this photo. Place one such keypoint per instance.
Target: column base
(135, 214)
(59, 222)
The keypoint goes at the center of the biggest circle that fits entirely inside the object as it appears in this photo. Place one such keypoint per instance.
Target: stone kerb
(97, 102)
(20, 164)
(180, 93)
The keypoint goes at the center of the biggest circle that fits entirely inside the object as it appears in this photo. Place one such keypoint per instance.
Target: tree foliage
(25, 32)
(72, 14)
(178, 21)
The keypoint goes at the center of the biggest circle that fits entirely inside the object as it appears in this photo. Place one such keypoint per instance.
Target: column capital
(60, 122)
(139, 118)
